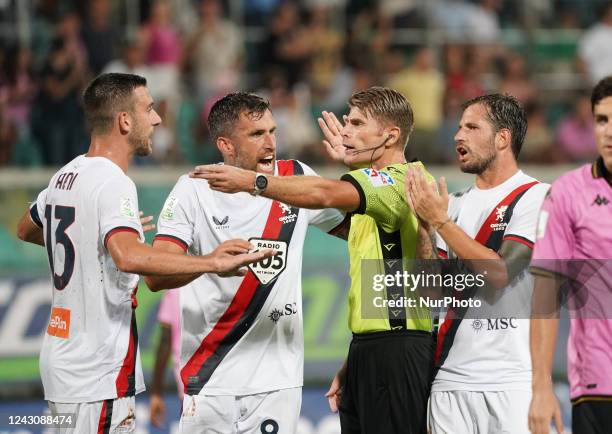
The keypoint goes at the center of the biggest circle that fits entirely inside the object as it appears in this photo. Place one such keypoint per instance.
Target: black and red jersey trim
(244, 307)
(171, 238)
(492, 239)
(442, 253)
(116, 230)
(125, 382)
(35, 217)
(106, 417)
(519, 239)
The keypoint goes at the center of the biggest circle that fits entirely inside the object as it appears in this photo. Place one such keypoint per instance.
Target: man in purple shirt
(573, 248)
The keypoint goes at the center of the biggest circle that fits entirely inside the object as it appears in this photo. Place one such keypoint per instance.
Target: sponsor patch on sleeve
(127, 207)
(168, 209)
(378, 178)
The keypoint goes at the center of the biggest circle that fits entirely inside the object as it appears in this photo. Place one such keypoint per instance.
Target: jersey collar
(599, 170)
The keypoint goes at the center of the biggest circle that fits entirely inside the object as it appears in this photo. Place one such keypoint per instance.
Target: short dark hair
(226, 112)
(602, 89)
(386, 105)
(107, 95)
(504, 111)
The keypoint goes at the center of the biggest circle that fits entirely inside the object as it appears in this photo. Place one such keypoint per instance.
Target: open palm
(332, 131)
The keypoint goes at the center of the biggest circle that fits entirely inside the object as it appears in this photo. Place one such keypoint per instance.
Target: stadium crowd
(305, 57)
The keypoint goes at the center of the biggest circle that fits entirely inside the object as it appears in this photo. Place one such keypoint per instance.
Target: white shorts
(464, 412)
(102, 417)
(270, 412)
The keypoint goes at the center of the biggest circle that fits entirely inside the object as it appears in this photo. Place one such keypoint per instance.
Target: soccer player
(87, 219)
(576, 225)
(483, 381)
(386, 379)
(242, 338)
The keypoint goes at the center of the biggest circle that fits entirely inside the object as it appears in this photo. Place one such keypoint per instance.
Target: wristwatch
(261, 182)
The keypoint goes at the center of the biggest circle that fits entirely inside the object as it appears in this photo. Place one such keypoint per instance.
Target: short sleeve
(118, 208)
(522, 225)
(175, 223)
(383, 193)
(325, 219)
(555, 231)
(37, 208)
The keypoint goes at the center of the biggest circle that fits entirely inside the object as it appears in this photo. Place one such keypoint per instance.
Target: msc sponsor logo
(289, 309)
(490, 324)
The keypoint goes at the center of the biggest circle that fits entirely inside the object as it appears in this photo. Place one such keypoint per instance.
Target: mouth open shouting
(266, 164)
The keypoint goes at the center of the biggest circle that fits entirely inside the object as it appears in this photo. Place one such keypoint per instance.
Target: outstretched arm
(29, 231)
(311, 192)
(132, 256)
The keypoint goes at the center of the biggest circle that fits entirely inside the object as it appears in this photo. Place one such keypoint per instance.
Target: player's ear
(392, 136)
(124, 121)
(503, 139)
(226, 147)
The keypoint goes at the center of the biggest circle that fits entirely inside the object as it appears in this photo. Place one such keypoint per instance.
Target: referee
(384, 384)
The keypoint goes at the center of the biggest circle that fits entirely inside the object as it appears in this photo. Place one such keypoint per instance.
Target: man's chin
(144, 151)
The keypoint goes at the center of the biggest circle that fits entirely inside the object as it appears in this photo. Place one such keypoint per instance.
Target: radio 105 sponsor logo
(270, 268)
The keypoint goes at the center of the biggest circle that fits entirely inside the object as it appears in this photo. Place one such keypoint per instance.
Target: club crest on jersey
(270, 268)
(288, 215)
(378, 178)
(500, 213)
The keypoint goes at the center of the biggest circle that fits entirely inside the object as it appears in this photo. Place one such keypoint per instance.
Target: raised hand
(230, 256)
(225, 178)
(331, 128)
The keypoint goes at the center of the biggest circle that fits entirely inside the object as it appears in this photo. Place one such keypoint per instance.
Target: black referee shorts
(387, 384)
(592, 417)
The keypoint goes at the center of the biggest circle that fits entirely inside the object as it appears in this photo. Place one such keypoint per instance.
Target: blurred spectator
(368, 40)
(133, 58)
(445, 137)
(214, 54)
(538, 144)
(57, 119)
(326, 45)
(287, 46)
(453, 18)
(402, 13)
(575, 134)
(99, 35)
(483, 22)
(595, 47)
(462, 71)
(8, 133)
(19, 86)
(515, 80)
(69, 29)
(297, 135)
(423, 86)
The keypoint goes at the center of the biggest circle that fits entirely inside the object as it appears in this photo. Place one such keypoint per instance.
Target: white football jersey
(242, 335)
(90, 351)
(485, 354)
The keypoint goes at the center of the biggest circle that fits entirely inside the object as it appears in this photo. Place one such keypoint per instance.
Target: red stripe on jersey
(182, 244)
(486, 230)
(116, 230)
(125, 380)
(243, 296)
(519, 239)
(442, 254)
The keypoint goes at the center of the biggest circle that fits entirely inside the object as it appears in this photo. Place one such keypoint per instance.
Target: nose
(458, 135)
(156, 119)
(270, 141)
